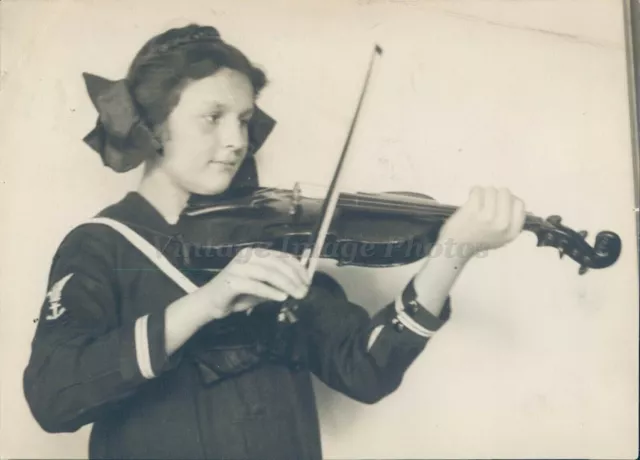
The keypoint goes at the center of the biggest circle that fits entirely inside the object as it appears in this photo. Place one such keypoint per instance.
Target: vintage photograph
(272, 230)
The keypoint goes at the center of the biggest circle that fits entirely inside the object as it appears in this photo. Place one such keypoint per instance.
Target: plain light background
(536, 361)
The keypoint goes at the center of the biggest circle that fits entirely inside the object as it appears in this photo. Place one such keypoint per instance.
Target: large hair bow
(121, 137)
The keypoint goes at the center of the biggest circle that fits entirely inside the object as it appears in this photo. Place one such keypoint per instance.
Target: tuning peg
(583, 233)
(555, 220)
(583, 270)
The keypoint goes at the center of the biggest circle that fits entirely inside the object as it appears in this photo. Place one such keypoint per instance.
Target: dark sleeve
(358, 355)
(84, 361)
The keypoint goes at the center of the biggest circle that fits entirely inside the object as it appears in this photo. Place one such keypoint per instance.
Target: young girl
(165, 365)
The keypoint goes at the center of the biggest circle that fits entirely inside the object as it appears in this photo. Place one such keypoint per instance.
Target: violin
(367, 230)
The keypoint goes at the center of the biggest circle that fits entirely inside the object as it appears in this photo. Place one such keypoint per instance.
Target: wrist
(455, 250)
(434, 281)
(441, 265)
(198, 307)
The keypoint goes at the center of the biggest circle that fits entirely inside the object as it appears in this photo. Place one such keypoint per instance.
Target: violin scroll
(603, 254)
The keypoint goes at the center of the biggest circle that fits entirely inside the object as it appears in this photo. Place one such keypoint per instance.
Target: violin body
(216, 229)
(371, 230)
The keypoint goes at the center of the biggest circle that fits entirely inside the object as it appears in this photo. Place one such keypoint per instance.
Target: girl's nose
(234, 136)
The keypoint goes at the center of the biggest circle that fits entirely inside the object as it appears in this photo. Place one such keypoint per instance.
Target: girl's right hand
(253, 276)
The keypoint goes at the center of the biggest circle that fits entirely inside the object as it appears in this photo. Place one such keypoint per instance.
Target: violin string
(391, 197)
(418, 211)
(395, 209)
(398, 204)
(357, 199)
(356, 202)
(397, 200)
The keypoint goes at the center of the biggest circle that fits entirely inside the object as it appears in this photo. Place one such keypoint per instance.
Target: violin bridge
(296, 195)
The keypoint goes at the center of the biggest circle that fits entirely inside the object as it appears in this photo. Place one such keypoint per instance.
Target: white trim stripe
(408, 322)
(142, 347)
(374, 336)
(413, 326)
(152, 253)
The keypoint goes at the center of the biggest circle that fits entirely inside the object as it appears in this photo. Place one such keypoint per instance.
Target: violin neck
(412, 206)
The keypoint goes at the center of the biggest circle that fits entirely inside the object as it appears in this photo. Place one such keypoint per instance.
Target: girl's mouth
(226, 166)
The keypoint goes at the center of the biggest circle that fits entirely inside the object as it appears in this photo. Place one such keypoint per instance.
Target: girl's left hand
(490, 219)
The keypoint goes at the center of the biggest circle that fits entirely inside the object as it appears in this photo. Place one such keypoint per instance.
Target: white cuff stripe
(374, 336)
(142, 347)
(413, 326)
(408, 322)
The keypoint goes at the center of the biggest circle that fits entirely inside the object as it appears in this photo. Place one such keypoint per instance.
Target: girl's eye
(245, 122)
(213, 118)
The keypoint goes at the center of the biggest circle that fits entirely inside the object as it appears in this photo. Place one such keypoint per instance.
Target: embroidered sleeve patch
(56, 310)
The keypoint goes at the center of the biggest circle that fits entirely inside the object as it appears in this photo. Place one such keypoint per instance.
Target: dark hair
(168, 61)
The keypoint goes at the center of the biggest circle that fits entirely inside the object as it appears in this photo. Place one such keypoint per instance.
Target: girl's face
(205, 136)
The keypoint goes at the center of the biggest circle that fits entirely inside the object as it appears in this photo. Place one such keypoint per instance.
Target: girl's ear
(162, 132)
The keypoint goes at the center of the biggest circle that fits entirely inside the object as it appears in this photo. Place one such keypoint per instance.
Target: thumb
(246, 303)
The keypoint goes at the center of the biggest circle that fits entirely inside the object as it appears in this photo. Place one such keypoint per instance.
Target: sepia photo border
(632, 39)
